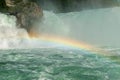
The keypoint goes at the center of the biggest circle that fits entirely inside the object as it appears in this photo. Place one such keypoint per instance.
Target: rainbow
(72, 43)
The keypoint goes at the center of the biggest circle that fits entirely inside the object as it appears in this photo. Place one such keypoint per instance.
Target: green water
(56, 64)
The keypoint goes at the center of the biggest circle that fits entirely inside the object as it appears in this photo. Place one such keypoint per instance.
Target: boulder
(27, 13)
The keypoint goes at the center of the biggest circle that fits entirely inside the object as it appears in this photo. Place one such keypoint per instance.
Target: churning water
(35, 59)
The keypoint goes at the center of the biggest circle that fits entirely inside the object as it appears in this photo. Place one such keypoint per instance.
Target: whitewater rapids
(84, 26)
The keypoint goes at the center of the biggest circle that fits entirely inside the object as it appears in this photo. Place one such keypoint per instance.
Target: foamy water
(93, 26)
(12, 36)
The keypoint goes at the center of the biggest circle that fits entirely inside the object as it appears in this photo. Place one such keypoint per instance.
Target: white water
(98, 27)
(12, 36)
(9, 33)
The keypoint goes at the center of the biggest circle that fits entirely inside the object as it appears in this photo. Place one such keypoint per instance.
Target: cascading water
(9, 33)
(45, 61)
(97, 27)
(11, 36)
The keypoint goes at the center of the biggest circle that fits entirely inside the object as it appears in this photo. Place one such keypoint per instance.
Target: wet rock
(27, 13)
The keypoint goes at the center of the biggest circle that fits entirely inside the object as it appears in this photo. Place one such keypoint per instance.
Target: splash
(9, 33)
(15, 37)
(18, 38)
(49, 32)
(12, 36)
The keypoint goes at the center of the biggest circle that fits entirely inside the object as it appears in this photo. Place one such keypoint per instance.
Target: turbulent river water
(24, 58)
(56, 64)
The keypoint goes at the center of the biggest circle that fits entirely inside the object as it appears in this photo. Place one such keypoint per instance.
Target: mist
(97, 27)
(94, 23)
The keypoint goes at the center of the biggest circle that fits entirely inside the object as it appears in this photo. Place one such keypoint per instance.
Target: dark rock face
(3, 7)
(31, 13)
(26, 12)
(76, 5)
